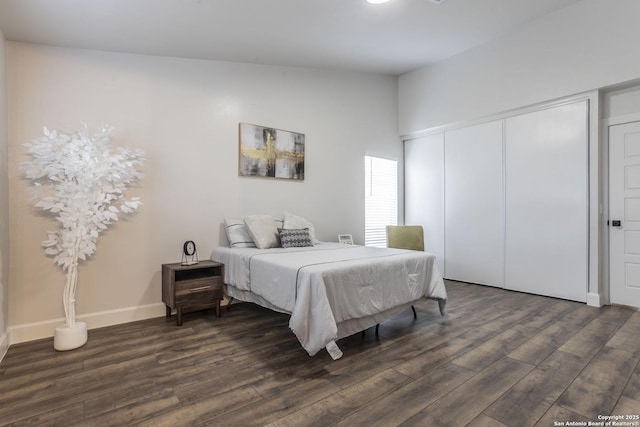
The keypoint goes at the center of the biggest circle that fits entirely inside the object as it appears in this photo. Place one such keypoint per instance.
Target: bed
(331, 290)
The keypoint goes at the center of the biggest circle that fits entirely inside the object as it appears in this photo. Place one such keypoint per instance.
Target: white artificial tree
(81, 180)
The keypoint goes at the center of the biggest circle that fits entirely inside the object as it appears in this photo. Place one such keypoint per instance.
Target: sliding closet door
(474, 204)
(424, 190)
(547, 202)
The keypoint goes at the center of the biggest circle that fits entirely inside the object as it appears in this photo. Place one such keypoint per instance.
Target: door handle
(616, 223)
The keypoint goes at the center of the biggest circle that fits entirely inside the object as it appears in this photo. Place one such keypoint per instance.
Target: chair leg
(415, 315)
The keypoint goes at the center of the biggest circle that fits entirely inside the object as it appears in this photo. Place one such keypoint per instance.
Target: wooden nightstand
(192, 287)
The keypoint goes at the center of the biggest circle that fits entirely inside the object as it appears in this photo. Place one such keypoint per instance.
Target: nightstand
(192, 287)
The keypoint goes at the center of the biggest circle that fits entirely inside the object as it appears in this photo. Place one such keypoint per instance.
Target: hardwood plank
(455, 407)
(92, 353)
(632, 390)
(460, 344)
(206, 409)
(559, 416)
(529, 399)
(627, 337)
(495, 348)
(340, 405)
(279, 403)
(542, 345)
(597, 332)
(36, 375)
(401, 404)
(552, 311)
(67, 389)
(138, 393)
(195, 346)
(598, 387)
(26, 352)
(56, 417)
(347, 374)
(135, 412)
(627, 406)
(485, 421)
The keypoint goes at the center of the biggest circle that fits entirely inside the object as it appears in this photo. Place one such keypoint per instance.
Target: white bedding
(330, 289)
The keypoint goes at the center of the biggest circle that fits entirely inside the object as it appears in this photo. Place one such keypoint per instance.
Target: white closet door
(424, 190)
(547, 202)
(474, 204)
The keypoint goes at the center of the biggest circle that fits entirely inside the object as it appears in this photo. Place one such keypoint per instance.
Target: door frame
(606, 124)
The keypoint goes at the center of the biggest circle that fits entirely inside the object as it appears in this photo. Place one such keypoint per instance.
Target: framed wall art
(269, 152)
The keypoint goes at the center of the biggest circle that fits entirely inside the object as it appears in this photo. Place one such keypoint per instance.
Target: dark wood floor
(497, 358)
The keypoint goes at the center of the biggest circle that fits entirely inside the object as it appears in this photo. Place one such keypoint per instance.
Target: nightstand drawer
(205, 290)
(208, 284)
(199, 298)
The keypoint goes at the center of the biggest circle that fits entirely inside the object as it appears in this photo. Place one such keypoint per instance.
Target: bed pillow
(295, 238)
(238, 234)
(263, 230)
(292, 221)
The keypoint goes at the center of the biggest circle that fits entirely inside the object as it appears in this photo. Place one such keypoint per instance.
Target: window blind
(381, 199)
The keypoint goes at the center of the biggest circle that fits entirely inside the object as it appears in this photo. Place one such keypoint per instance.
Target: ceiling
(391, 38)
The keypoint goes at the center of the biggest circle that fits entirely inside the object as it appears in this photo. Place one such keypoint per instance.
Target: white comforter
(329, 283)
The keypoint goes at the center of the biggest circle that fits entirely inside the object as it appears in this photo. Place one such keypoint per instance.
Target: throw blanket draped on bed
(324, 285)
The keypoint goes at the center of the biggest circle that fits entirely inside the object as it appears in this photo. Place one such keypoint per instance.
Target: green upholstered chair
(405, 237)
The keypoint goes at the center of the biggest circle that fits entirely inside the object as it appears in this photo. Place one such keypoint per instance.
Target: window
(380, 200)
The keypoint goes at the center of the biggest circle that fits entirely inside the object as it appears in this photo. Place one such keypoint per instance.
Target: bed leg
(415, 315)
(229, 303)
(441, 305)
(377, 327)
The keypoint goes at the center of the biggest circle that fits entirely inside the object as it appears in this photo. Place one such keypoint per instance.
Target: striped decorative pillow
(238, 234)
(295, 237)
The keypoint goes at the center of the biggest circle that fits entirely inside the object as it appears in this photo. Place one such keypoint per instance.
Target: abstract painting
(269, 152)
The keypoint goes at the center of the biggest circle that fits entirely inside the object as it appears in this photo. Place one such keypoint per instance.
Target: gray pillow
(238, 234)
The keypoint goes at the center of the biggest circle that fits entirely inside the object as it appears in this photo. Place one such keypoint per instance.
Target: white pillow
(263, 230)
(292, 221)
(238, 234)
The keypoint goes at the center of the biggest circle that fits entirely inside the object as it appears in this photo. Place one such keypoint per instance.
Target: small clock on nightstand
(189, 253)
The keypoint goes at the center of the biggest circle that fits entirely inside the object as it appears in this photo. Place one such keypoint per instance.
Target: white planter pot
(69, 338)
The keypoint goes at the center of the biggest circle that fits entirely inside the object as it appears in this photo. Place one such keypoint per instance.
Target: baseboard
(594, 300)
(44, 329)
(4, 344)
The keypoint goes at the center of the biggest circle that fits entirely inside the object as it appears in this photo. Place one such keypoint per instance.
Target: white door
(424, 190)
(624, 214)
(474, 204)
(546, 176)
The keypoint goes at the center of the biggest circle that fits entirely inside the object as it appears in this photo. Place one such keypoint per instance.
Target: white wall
(618, 102)
(185, 115)
(4, 206)
(588, 45)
